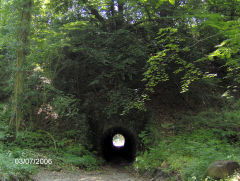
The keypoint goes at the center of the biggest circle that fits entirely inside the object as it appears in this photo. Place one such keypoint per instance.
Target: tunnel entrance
(118, 145)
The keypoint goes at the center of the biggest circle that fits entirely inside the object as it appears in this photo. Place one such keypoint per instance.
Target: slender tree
(25, 7)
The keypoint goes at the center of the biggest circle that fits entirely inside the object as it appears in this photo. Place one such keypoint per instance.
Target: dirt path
(106, 173)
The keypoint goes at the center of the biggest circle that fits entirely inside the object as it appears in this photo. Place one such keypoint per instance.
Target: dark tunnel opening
(125, 152)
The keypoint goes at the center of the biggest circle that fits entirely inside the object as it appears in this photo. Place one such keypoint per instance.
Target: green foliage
(188, 154)
(78, 156)
(122, 102)
(85, 68)
(66, 106)
(6, 82)
(228, 50)
(88, 162)
(173, 61)
(37, 139)
(189, 145)
(5, 112)
(225, 124)
(159, 64)
(11, 171)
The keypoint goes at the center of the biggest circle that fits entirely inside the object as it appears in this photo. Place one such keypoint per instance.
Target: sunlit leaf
(172, 2)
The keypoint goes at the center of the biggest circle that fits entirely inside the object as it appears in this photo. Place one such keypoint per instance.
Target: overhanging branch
(94, 12)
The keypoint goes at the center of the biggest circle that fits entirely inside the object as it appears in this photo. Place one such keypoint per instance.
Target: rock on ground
(222, 169)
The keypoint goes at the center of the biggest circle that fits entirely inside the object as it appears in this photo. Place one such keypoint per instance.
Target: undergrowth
(65, 152)
(188, 154)
(198, 140)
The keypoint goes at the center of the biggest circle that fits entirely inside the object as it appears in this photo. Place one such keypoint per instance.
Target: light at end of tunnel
(118, 140)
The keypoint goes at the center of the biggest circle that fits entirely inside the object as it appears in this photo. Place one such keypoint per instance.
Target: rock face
(222, 169)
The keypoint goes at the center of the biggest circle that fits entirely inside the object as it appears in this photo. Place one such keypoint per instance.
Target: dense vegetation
(170, 68)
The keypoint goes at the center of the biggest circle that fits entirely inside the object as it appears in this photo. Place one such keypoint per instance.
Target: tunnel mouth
(125, 148)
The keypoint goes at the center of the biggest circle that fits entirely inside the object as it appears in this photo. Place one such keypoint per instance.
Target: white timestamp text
(37, 161)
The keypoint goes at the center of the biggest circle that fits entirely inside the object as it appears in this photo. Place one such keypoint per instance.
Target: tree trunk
(120, 20)
(23, 33)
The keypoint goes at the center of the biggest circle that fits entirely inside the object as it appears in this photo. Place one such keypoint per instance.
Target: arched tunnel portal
(129, 127)
(115, 153)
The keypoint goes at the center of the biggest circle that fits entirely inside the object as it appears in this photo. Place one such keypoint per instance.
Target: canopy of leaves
(99, 60)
